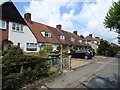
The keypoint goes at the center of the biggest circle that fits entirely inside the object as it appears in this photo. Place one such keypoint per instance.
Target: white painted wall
(21, 37)
(53, 45)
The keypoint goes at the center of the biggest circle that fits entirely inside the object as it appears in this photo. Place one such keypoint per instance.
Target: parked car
(92, 51)
(84, 53)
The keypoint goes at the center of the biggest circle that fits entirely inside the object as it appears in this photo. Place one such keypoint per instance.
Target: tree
(105, 49)
(48, 48)
(112, 19)
(102, 48)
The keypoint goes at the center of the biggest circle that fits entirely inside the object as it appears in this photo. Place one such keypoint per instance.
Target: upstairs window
(79, 40)
(13, 26)
(46, 34)
(2, 24)
(17, 27)
(61, 37)
(72, 39)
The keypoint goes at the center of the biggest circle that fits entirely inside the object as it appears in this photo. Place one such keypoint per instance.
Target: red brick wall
(3, 35)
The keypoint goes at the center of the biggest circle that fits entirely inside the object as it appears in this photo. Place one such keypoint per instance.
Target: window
(46, 34)
(72, 39)
(17, 27)
(2, 24)
(61, 37)
(79, 40)
(13, 26)
(31, 46)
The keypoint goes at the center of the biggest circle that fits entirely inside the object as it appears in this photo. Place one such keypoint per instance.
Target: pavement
(83, 71)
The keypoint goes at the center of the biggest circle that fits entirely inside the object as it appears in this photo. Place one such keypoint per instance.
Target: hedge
(34, 68)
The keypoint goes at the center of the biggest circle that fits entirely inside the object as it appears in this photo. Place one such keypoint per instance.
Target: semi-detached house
(32, 36)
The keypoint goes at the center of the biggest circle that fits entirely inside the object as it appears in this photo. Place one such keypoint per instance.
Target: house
(93, 41)
(13, 28)
(32, 36)
(54, 36)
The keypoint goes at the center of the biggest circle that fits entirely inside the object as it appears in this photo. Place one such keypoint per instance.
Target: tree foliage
(113, 16)
(48, 48)
(107, 50)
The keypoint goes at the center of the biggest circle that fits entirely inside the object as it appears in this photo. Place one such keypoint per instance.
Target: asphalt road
(107, 68)
(108, 77)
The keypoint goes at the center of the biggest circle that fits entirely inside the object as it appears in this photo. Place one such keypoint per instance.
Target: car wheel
(85, 57)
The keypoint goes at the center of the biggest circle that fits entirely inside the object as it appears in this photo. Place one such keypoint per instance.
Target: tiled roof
(113, 44)
(10, 13)
(37, 28)
(96, 39)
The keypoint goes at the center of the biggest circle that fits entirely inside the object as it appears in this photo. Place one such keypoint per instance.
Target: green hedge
(29, 75)
(34, 68)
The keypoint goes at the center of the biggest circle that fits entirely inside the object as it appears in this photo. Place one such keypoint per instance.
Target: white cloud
(92, 15)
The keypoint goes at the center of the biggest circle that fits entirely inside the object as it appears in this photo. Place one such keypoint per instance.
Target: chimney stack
(58, 27)
(90, 35)
(97, 37)
(27, 17)
(75, 32)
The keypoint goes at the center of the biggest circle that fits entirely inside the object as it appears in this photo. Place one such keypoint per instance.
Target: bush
(42, 54)
(34, 68)
(15, 81)
(59, 47)
(41, 51)
(48, 48)
(13, 50)
(75, 48)
(64, 52)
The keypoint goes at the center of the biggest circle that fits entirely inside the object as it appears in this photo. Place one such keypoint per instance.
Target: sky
(84, 16)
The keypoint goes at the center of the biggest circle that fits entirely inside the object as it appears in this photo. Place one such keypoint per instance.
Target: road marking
(87, 76)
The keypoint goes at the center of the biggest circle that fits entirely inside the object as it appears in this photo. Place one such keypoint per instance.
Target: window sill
(3, 28)
(18, 31)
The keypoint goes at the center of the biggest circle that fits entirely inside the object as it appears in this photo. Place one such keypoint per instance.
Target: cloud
(92, 15)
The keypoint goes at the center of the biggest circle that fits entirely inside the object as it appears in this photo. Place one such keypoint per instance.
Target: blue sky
(85, 16)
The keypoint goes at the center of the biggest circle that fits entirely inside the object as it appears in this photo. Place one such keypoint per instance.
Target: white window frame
(46, 34)
(31, 46)
(72, 39)
(1, 24)
(79, 40)
(62, 37)
(17, 27)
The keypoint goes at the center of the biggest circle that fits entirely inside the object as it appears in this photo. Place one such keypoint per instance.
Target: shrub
(64, 52)
(42, 54)
(13, 50)
(59, 47)
(75, 48)
(41, 51)
(48, 48)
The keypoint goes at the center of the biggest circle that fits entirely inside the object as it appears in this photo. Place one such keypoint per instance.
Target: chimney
(59, 27)
(27, 17)
(97, 37)
(90, 35)
(75, 32)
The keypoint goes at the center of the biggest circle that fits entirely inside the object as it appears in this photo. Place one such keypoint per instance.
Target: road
(81, 77)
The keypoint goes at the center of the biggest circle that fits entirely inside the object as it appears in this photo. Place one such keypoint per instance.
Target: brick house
(32, 36)
(93, 41)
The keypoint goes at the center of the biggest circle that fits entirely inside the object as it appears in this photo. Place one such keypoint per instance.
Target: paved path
(69, 78)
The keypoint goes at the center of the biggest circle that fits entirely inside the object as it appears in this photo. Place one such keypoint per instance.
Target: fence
(58, 64)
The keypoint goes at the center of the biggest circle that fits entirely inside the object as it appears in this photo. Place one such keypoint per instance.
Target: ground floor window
(31, 46)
